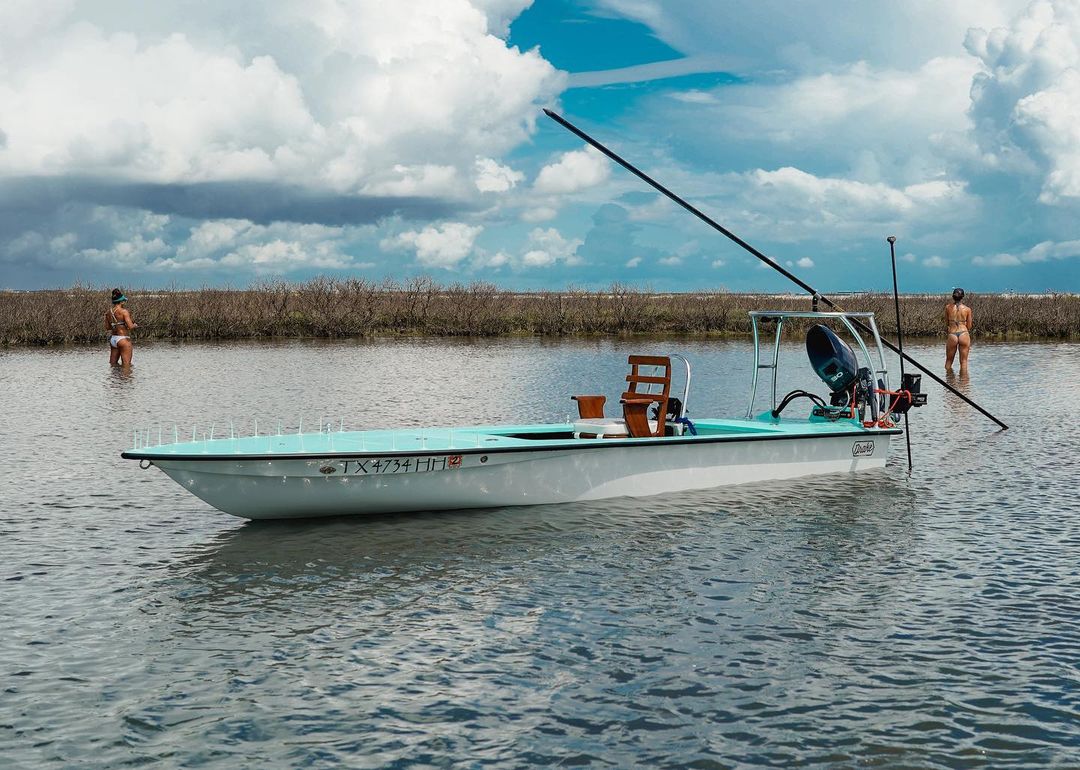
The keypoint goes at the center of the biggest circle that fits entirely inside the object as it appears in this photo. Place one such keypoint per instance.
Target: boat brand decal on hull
(862, 449)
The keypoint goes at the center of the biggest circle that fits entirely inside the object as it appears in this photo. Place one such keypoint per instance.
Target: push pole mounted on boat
(774, 265)
(899, 340)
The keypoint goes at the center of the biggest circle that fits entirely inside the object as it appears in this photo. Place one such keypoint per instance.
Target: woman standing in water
(119, 323)
(959, 322)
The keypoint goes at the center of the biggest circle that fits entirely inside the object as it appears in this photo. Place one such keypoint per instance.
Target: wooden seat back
(640, 395)
(590, 406)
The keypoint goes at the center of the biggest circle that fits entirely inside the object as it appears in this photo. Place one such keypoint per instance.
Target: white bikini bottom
(114, 341)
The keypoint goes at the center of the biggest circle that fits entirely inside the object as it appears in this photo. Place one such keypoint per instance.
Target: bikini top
(114, 323)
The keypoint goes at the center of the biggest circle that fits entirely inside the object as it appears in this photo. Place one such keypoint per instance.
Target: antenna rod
(899, 341)
(790, 276)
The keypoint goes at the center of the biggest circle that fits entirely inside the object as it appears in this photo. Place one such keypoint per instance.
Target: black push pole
(899, 340)
(791, 277)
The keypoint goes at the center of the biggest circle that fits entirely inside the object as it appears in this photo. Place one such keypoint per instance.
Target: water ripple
(878, 621)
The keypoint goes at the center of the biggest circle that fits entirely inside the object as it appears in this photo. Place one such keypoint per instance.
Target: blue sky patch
(392, 140)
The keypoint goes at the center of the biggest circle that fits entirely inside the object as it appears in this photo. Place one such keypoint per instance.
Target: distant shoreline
(328, 308)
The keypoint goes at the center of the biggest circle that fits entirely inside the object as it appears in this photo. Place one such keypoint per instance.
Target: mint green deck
(481, 437)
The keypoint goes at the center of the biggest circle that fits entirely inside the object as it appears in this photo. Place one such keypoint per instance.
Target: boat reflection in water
(278, 564)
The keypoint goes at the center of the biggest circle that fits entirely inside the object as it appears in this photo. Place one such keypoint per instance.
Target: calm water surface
(877, 621)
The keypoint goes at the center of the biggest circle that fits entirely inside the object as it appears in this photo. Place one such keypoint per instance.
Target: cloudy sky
(188, 143)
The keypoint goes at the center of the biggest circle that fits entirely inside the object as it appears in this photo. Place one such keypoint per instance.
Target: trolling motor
(909, 396)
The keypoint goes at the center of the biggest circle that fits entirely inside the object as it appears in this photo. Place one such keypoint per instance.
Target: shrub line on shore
(355, 307)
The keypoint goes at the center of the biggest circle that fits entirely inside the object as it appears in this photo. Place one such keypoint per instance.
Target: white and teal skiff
(336, 472)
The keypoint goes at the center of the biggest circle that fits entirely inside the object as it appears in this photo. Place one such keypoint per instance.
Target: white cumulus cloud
(491, 176)
(1041, 252)
(539, 214)
(800, 203)
(548, 246)
(573, 171)
(997, 260)
(773, 34)
(856, 113)
(441, 246)
(1026, 102)
(139, 241)
(1051, 118)
(356, 96)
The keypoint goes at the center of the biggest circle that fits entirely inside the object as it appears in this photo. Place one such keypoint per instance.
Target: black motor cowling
(831, 358)
(674, 407)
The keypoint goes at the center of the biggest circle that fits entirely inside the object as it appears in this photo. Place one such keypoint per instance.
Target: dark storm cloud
(29, 198)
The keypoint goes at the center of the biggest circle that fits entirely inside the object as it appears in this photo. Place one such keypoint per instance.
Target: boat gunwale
(565, 445)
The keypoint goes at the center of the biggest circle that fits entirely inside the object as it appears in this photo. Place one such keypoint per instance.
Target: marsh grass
(350, 307)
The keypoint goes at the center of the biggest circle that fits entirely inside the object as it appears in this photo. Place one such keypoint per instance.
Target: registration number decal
(370, 466)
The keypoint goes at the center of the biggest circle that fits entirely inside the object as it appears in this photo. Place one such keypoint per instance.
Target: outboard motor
(835, 363)
(832, 358)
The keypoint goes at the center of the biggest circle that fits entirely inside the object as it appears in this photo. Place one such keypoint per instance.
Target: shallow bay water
(880, 620)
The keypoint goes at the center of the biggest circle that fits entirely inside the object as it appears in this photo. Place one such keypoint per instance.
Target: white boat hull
(290, 487)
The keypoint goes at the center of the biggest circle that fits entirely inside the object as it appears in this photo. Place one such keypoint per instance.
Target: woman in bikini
(959, 322)
(119, 323)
